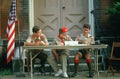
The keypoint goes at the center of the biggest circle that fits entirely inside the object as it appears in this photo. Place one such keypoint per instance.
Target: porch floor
(82, 75)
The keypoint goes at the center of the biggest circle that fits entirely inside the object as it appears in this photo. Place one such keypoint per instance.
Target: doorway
(50, 15)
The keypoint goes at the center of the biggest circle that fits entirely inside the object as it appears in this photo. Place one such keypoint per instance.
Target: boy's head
(35, 29)
(86, 28)
(63, 30)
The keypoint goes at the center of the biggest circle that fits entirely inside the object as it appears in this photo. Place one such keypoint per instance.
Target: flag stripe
(11, 41)
(10, 49)
(11, 44)
(10, 56)
(11, 31)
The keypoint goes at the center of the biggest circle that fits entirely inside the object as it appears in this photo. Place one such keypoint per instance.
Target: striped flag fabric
(11, 31)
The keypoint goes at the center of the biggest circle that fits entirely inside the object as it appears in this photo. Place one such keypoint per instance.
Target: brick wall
(4, 7)
(24, 19)
(101, 17)
(22, 14)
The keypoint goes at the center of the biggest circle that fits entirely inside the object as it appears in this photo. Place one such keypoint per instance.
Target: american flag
(11, 31)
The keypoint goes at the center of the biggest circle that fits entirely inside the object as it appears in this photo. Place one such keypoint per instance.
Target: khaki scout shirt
(34, 39)
(58, 41)
(88, 39)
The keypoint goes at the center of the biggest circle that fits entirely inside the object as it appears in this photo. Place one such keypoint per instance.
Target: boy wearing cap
(84, 38)
(61, 54)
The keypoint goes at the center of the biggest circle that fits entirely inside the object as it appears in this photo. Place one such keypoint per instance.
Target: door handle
(63, 7)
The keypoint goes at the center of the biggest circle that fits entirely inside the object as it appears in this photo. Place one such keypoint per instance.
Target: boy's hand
(37, 44)
(41, 43)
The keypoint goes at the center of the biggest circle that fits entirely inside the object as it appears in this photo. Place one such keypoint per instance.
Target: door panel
(50, 15)
(74, 15)
(47, 16)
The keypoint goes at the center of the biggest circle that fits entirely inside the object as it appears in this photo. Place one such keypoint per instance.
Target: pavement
(82, 75)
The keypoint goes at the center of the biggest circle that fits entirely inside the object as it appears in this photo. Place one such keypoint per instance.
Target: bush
(114, 15)
(115, 9)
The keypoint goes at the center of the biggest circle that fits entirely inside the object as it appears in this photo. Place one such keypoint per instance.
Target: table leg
(96, 63)
(31, 64)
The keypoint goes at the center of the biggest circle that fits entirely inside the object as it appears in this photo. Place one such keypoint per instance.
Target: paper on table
(71, 43)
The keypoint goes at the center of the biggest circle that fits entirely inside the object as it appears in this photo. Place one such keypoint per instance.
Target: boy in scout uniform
(84, 38)
(61, 54)
(38, 39)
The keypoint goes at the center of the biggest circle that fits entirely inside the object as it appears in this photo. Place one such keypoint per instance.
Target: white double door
(50, 15)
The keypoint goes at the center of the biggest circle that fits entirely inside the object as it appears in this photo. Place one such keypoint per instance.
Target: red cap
(64, 29)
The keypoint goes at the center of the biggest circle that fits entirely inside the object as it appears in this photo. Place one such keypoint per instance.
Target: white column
(91, 16)
(31, 15)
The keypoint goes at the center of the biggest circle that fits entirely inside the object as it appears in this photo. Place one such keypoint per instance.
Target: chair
(114, 57)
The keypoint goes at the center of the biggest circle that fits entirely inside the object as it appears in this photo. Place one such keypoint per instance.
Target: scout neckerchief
(62, 39)
(37, 39)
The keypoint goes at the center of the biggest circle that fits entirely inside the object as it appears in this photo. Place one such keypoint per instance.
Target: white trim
(91, 16)
(31, 15)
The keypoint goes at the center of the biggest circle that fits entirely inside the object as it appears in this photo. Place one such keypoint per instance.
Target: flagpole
(21, 74)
